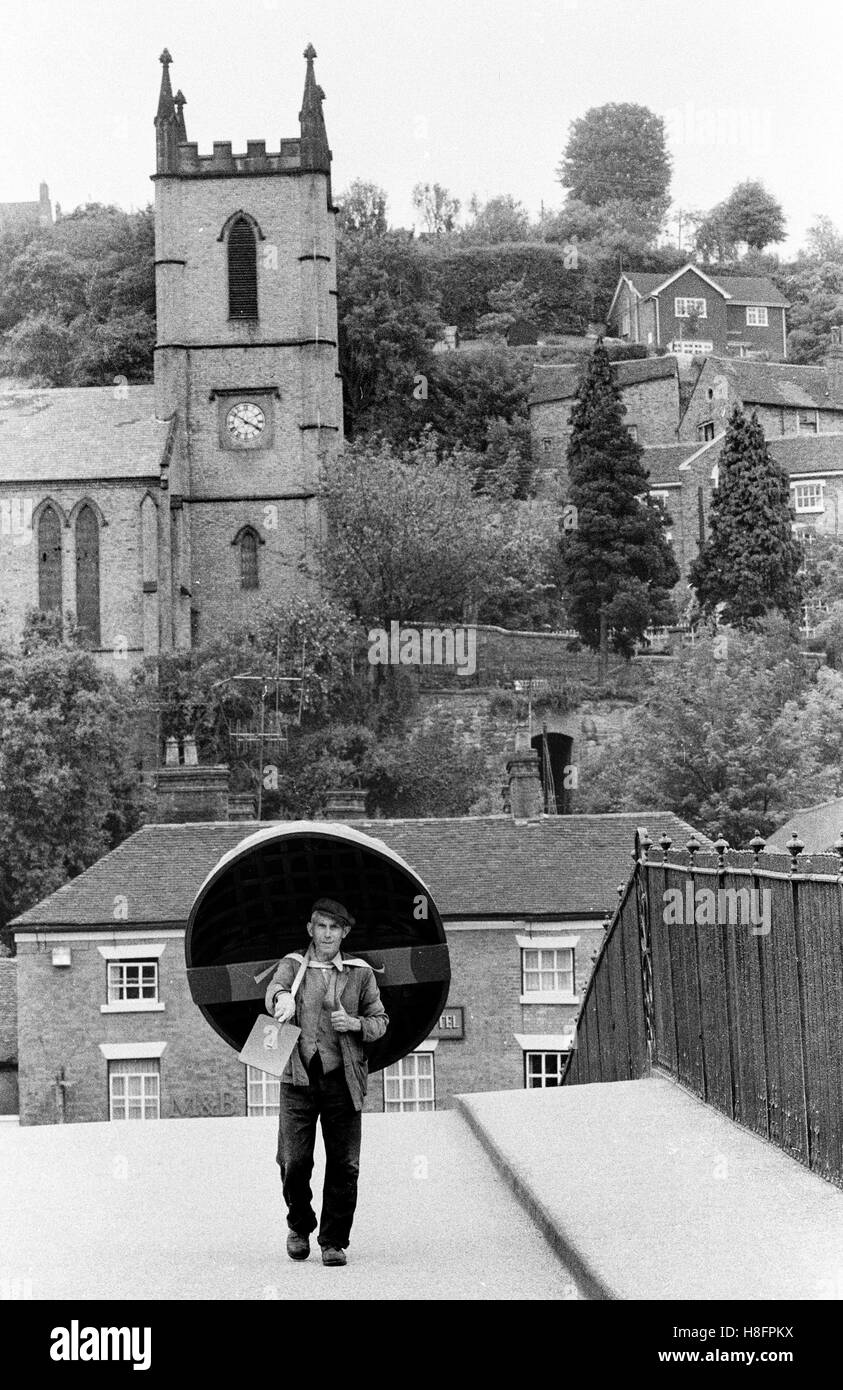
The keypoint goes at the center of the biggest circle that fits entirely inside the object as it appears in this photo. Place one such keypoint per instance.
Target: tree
(500, 219)
(823, 241)
(431, 771)
(436, 207)
(617, 152)
(749, 564)
(723, 739)
(362, 210)
(753, 215)
(409, 538)
(61, 807)
(713, 239)
(511, 302)
(617, 566)
(388, 320)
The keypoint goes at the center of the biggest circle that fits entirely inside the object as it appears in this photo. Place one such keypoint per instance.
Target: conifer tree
(750, 561)
(617, 565)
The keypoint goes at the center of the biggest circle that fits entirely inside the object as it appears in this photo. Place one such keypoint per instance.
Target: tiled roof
(751, 289)
(818, 827)
(555, 383)
(742, 289)
(809, 453)
(484, 866)
(95, 432)
(781, 383)
(663, 460)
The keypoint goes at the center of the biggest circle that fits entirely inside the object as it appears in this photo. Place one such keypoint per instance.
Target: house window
(49, 561)
(806, 422)
(134, 1090)
(685, 308)
(88, 576)
(625, 324)
(706, 430)
(547, 971)
(132, 981)
(543, 1068)
(808, 497)
(632, 431)
(756, 316)
(547, 446)
(409, 1084)
(248, 559)
(263, 1092)
(242, 271)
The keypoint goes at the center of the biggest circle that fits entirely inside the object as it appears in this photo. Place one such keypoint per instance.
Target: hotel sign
(451, 1023)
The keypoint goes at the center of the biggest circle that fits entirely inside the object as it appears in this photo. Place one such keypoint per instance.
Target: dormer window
(242, 271)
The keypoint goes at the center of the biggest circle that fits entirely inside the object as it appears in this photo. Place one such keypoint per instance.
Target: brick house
(788, 400)
(693, 313)
(155, 514)
(683, 478)
(649, 390)
(106, 1019)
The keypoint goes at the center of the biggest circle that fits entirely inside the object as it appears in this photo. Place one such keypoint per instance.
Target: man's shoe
(332, 1256)
(298, 1247)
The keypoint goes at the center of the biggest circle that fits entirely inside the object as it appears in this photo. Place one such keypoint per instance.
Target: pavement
(645, 1192)
(191, 1209)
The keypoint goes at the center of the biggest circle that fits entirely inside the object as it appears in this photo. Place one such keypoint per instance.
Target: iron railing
(724, 969)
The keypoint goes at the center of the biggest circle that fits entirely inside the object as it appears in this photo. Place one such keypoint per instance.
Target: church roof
(95, 432)
(475, 866)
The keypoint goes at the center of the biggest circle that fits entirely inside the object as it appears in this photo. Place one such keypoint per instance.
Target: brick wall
(486, 983)
(61, 1026)
(8, 1009)
(652, 406)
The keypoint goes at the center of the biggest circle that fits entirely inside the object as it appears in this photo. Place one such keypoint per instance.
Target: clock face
(245, 421)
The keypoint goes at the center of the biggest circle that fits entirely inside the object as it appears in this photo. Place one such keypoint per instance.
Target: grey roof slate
(560, 383)
(485, 866)
(95, 432)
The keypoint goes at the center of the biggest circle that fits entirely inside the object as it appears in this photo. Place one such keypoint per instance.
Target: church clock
(245, 416)
(245, 422)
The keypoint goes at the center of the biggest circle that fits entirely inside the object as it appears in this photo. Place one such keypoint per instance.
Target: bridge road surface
(192, 1209)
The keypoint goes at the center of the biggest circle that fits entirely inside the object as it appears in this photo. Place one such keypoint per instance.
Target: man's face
(327, 933)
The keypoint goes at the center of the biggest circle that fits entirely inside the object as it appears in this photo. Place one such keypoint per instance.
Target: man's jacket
(357, 992)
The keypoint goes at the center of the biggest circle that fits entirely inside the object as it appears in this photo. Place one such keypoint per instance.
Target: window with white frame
(134, 1089)
(547, 445)
(806, 421)
(409, 1084)
(691, 347)
(808, 497)
(632, 431)
(132, 981)
(705, 431)
(543, 1068)
(547, 970)
(263, 1092)
(685, 307)
(756, 316)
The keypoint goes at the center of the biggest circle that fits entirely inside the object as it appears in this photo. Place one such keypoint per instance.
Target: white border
(133, 950)
(127, 1052)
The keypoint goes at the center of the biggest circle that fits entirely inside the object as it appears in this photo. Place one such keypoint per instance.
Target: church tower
(246, 370)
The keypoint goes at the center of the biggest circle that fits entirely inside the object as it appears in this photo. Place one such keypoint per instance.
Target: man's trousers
(326, 1099)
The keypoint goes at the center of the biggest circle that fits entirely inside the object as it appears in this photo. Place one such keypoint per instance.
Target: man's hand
(345, 1023)
(285, 1007)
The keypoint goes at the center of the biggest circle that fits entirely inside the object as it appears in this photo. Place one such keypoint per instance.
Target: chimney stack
(346, 803)
(833, 363)
(526, 798)
(187, 791)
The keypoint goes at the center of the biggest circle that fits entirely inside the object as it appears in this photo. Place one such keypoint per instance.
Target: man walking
(338, 1008)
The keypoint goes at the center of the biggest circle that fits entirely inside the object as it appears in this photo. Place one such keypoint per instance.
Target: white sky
(477, 94)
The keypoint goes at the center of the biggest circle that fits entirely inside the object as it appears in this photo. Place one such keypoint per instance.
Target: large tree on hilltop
(617, 565)
(617, 152)
(751, 559)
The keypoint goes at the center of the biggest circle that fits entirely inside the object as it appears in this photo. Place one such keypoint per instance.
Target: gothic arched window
(242, 271)
(88, 575)
(248, 541)
(49, 561)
